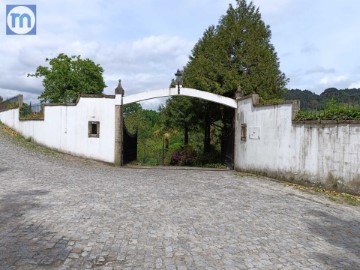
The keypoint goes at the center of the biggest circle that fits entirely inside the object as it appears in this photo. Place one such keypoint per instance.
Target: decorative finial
(119, 90)
(239, 92)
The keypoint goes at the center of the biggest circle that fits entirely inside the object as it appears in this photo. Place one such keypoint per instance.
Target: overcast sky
(143, 42)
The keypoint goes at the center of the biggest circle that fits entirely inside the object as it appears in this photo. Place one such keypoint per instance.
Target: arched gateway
(189, 92)
(176, 91)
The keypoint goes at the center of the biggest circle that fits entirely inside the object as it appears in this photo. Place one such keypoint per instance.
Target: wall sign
(254, 133)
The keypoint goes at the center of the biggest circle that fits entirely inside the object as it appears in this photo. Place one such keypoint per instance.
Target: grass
(37, 116)
(214, 165)
(32, 146)
(338, 197)
(26, 142)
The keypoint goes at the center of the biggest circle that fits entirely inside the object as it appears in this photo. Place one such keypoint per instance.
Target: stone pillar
(118, 135)
(119, 122)
(20, 101)
(239, 93)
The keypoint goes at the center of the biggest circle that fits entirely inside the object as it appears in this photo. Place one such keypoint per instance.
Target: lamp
(178, 75)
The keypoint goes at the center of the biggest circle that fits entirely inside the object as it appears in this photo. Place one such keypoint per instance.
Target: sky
(144, 42)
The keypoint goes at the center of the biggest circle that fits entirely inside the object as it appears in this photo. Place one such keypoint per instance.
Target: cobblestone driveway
(60, 212)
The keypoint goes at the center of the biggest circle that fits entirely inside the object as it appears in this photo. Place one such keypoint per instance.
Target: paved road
(61, 212)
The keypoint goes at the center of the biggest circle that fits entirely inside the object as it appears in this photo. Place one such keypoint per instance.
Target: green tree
(309, 101)
(25, 110)
(130, 109)
(179, 113)
(67, 77)
(236, 52)
(145, 123)
(1, 99)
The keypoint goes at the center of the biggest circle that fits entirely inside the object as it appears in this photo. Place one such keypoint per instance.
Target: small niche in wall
(94, 129)
(243, 132)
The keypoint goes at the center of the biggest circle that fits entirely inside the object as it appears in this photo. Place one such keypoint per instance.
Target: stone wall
(326, 154)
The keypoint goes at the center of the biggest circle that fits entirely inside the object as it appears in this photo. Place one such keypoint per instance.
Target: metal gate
(129, 146)
(227, 146)
(229, 155)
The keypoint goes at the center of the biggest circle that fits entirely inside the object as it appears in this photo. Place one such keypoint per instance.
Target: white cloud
(144, 42)
(354, 85)
(333, 79)
(144, 64)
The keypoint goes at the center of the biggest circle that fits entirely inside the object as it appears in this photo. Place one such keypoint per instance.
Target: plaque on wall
(254, 133)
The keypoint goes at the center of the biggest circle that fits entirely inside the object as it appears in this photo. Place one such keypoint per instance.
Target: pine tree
(236, 52)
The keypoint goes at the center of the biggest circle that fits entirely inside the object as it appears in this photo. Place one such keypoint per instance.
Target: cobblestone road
(61, 212)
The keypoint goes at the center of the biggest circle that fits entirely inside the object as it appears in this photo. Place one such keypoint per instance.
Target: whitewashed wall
(66, 127)
(327, 154)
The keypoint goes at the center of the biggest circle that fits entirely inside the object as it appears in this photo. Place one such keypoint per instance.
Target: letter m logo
(21, 19)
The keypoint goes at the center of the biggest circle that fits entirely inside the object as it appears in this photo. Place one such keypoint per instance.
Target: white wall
(327, 154)
(66, 127)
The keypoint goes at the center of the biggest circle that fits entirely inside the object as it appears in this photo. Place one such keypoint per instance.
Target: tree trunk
(224, 132)
(186, 135)
(207, 138)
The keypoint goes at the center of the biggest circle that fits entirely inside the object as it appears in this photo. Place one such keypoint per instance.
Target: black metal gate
(227, 146)
(129, 146)
(229, 155)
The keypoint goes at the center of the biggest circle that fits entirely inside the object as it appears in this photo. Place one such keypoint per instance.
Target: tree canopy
(310, 101)
(1, 99)
(236, 52)
(69, 76)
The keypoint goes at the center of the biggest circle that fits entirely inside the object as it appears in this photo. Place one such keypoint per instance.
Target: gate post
(119, 122)
(118, 135)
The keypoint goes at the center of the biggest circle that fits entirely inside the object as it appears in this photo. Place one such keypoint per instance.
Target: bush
(25, 110)
(333, 111)
(183, 157)
(12, 105)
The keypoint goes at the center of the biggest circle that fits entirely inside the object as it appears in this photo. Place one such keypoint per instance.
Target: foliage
(67, 77)
(236, 52)
(215, 165)
(1, 99)
(312, 102)
(154, 131)
(330, 194)
(333, 111)
(12, 105)
(26, 113)
(183, 157)
(271, 101)
(212, 157)
(146, 123)
(25, 110)
(131, 108)
(180, 113)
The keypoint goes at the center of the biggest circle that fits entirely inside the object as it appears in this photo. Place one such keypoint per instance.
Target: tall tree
(67, 77)
(178, 114)
(237, 52)
(1, 99)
